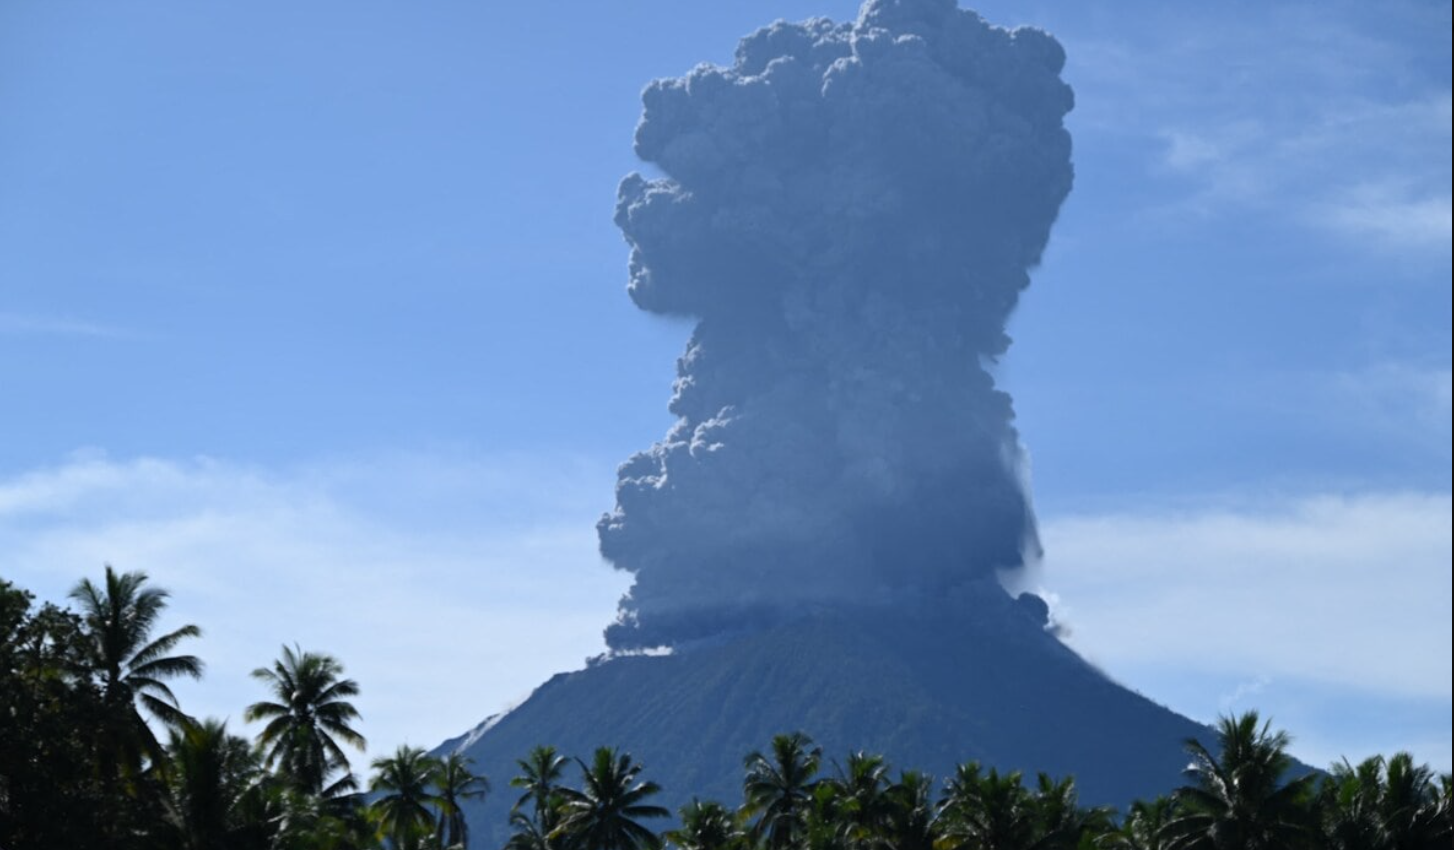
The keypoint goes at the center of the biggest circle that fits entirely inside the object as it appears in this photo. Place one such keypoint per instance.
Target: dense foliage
(96, 752)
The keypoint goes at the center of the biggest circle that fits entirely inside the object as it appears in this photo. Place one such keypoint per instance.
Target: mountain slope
(928, 685)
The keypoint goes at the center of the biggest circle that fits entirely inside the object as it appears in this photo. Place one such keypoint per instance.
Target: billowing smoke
(849, 212)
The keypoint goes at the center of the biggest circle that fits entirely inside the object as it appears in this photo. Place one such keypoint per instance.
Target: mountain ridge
(973, 676)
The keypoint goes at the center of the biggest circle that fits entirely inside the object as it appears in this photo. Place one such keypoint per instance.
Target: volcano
(923, 684)
(849, 213)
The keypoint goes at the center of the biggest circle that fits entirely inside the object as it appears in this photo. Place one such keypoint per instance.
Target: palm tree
(779, 790)
(286, 818)
(540, 778)
(986, 812)
(404, 803)
(1383, 804)
(706, 826)
(825, 826)
(456, 783)
(910, 821)
(603, 814)
(210, 774)
(533, 833)
(134, 667)
(310, 716)
(1143, 825)
(1061, 823)
(1241, 800)
(1415, 812)
(1349, 804)
(1443, 804)
(860, 802)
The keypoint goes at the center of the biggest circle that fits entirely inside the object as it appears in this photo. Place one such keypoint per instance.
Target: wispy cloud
(1233, 700)
(1405, 401)
(1298, 113)
(1401, 407)
(1331, 587)
(23, 324)
(451, 586)
(1369, 170)
(1392, 212)
(448, 586)
(1292, 605)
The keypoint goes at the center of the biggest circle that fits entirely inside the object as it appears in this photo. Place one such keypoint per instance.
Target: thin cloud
(1303, 115)
(1392, 213)
(23, 324)
(1330, 614)
(1332, 588)
(1401, 406)
(1237, 697)
(1398, 400)
(459, 605)
(444, 613)
(1369, 170)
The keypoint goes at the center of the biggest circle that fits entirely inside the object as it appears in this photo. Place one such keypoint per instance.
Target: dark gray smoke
(849, 212)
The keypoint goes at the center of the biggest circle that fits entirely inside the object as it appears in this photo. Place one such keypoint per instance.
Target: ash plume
(849, 212)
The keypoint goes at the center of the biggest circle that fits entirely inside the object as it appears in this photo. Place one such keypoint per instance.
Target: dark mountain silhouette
(927, 684)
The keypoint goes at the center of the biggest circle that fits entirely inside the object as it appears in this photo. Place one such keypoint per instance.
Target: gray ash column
(849, 212)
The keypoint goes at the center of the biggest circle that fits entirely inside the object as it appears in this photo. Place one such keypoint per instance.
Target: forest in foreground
(96, 752)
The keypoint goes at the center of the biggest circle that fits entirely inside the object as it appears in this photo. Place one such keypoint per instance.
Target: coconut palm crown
(604, 813)
(307, 720)
(779, 789)
(455, 783)
(405, 800)
(133, 666)
(1241, 797)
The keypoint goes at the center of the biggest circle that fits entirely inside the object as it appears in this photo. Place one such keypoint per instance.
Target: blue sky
(317, 315)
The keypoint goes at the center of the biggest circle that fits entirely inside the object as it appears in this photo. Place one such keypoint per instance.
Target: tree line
(84, 693)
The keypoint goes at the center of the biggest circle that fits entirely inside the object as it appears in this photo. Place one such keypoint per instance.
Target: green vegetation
(604, 814)
(82, 768)
(96, 752)
(310, 715)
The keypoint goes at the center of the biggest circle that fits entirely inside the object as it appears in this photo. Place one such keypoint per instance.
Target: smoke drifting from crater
(849, 212)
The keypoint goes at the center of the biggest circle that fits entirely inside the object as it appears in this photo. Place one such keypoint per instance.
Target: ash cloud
(849, 212)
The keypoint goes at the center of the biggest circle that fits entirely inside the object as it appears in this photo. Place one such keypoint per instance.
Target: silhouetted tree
(454, 784)
(209, 777)
(52, 789)
(134, 667)
(1241, 797)
(405, 801)
(533, 833)
(605, 813)
(1384, 804)
(1061, 823)
(910, 818)
(1143, 825)
(778, 790)
(540, 774)
(706, 825)
(985, 811)
(309, 717)
(859, 800)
